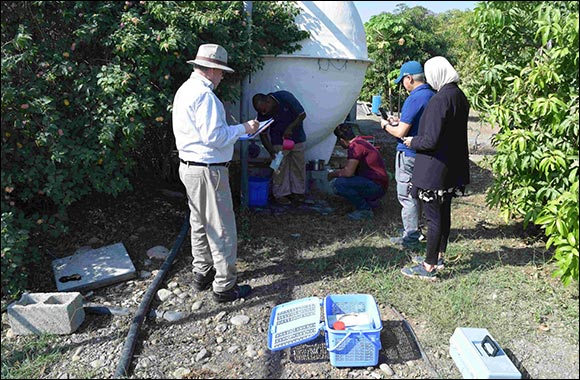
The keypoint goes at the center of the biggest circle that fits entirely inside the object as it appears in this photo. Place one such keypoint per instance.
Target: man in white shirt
(205, 143)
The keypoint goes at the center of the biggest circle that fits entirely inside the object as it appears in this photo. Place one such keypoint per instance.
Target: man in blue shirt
(288, 115)
(413, 79)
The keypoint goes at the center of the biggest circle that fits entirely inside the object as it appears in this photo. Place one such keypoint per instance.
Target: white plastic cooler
(478, 356)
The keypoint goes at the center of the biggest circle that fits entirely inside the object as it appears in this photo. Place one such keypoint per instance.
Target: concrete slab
(93, 269)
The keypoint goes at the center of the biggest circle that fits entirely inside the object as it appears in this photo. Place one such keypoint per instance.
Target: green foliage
(526, 83)
(560, 220)
(87, 88)
(462, 48)
(14, 244)
(394, 38)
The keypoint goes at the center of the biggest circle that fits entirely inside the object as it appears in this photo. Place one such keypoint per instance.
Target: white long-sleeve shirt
(201, 131)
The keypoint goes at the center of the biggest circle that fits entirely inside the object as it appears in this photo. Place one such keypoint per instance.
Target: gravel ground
(216, 340)
(230, 340)
(209, 340)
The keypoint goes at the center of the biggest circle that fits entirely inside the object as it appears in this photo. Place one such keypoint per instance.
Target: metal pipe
(129, 347)
(244, 115)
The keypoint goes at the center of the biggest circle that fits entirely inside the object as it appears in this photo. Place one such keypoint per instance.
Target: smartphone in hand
(384, 114)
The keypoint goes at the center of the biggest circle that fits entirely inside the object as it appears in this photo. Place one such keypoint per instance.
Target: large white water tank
(326, 74)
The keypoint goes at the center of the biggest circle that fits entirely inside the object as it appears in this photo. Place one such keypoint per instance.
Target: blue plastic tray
(294, 323)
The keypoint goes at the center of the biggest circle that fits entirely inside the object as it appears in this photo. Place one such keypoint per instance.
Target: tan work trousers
(291, 176)
(214, 240)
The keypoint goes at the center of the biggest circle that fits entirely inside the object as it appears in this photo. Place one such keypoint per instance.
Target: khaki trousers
(291, 176)
(214, 240)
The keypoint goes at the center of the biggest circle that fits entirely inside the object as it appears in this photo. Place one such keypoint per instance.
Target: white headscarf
(439, 72)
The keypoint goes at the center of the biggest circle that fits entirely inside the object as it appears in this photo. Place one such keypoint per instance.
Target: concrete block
(46, 313)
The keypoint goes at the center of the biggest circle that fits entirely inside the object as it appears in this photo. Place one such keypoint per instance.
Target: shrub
(14, 246)
(526, 83)
(83, 82)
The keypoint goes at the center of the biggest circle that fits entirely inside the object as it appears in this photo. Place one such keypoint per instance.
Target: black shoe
(374, 203)
(284, 201)
(232, 294)
(419, 271)
(201, 282)
(298, 198)
(406, 243)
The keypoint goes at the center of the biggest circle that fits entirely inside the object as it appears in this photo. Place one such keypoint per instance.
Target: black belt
(193, 163)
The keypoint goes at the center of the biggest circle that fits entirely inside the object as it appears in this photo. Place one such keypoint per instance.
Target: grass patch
(497, 275)
(30, 359)
(510, 301)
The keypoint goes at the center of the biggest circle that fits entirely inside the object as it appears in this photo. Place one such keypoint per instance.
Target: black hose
(127, 352)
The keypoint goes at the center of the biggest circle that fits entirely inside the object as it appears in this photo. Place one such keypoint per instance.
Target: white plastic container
(275, 164)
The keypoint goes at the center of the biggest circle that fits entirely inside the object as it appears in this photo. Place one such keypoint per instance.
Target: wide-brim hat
(213, 56)
(409, 68)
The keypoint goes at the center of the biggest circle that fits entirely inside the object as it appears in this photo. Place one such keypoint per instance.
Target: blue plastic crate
(298, 322)
(359, 344)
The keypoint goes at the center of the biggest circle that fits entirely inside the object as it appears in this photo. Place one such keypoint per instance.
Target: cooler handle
(346, 336)
(339, 343)
(488, 339)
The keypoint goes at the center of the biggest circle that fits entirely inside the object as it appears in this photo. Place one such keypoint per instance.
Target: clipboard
(263, 126)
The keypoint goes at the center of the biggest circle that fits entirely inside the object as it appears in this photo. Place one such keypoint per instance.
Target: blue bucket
(376, 104)
(258, 189)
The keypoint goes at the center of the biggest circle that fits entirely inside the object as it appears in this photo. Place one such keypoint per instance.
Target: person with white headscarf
(442, 162)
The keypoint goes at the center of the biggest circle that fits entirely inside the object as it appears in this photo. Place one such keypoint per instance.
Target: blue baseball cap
(409, 68)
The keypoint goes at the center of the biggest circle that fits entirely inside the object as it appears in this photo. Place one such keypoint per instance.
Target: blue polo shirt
(288, 111)
(411, 113)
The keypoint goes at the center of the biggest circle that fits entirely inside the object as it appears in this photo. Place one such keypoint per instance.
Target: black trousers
(438, 215)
